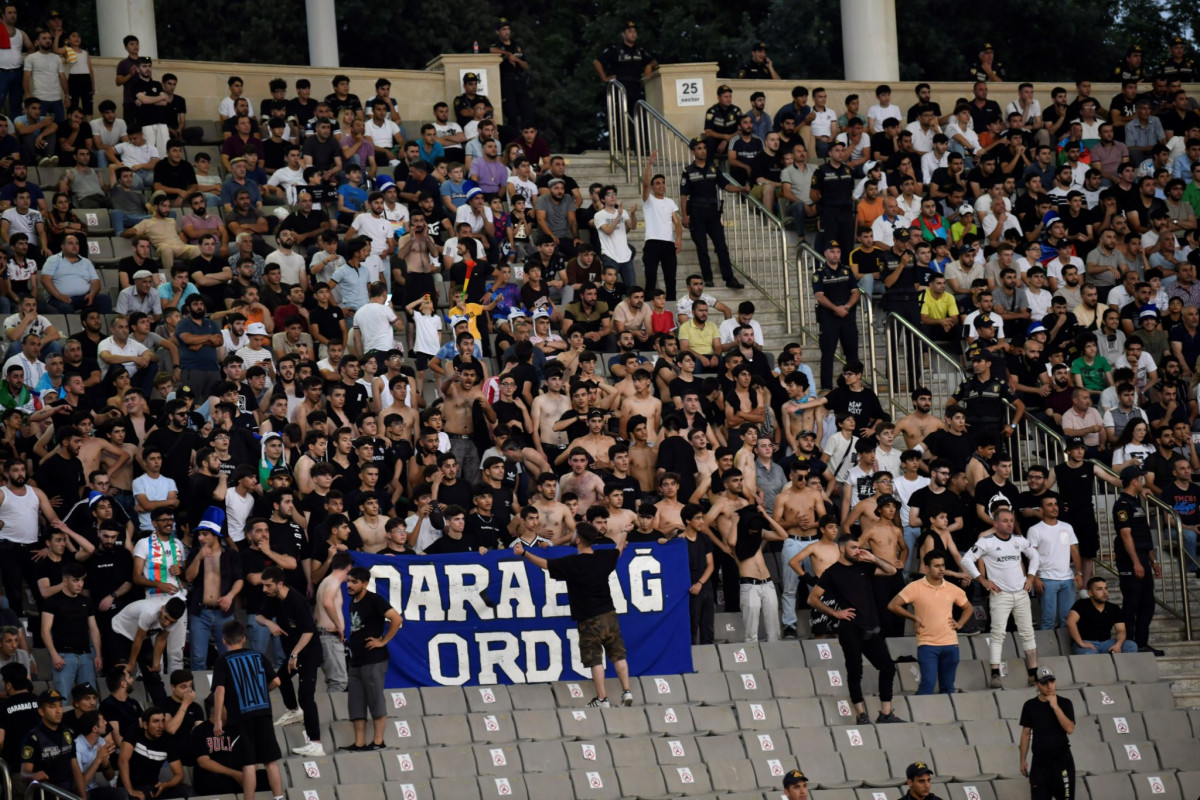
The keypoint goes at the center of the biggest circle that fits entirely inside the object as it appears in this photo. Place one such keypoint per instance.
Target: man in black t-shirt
(287, 615)
(373, 623)
(1048, 720)
(122, 712)
(182, 713)
(143, 755)
(1096, 626)
(242, 682)
(69, 632)
(849, 581)
(586, 574)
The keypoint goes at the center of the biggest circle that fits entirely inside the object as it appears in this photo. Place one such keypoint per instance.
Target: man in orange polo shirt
(933, 600)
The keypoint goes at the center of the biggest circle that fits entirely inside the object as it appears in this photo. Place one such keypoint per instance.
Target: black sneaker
(373, 746)
(862, 719)
(735, 284)
(354, 748)
(789, 632)
(1148, 649)
(886, 718)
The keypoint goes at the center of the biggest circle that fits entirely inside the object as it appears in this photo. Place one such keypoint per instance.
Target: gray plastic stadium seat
(791, 682)
(728, 628)
(972, 676)
(1010, 703)
(830, 794)
(540, 725)
(1087, 729)
(837, 710)
(1095, 759)
(1095, 670)
(931, 709)
(734, 776)
(1156, 786)
(1107, 787)
(493, 787)
(943, 735)
(543, 757)
(800, 712)
(581, 723)
(100, 251)
(781, 655)
(359, 767)
(761, 715)
(898, 735)
(725, 747)
(868, 766)
(854, 737)
(1047, 644)
(1136, 667)
(675, 750)
(749, 685)
(981, 648)
(908, 677)
(625, 722)
(449, 762)
(705, 658)
(407, 790)
(664, 689)
(495, 759)
(1003, 760)
(879, 793)
(487, 699)
(492, 727)
(899, 757)
(305, 772)
(686, 780)
(1122, 727)
(808, 743)
(766, 743)
(1169, 726)
(1062, 670)
(1134, 756)
(670, 720)
(98, 221)
(961, 762)
(588, 755)
(1105, 699)
(404, 703)
(826, 770)
(986, 731)
(709, 688)
(450, 730)
(531, 697)
(1152, 697)
(548, 784)
(340, 704)
(902, 646)
(404, 733)
(442, 700)
(823, 654)
(969, 790)
(770, 771)
(973, 706)
(829, 680)
(714, 719)
(631, 753)
(464, 786)
(739, 657)
(315, 793)
(1189, 783)
(642, 782)
(572, 694)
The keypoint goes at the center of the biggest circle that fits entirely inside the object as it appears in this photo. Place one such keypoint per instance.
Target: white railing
(620, 149)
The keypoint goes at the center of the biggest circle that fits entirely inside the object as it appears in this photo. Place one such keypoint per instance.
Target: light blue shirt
(72, 279)
(165, 292)
(352, 283)
(1181, 167)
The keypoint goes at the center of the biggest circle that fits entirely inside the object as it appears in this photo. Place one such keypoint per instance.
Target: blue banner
(496, 618)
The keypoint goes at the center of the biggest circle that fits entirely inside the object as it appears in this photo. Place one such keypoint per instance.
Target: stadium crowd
(341, 339)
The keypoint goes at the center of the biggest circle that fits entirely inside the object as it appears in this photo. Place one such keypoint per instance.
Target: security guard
(700, 211)
(759, 67)
(48, 750)
(986, 67)
(795, 785)
(1130, 68)
(919, 778)
(984, 397)
(721, 122)
(1137, 564)
(464, 104)
(627, 64)
(1178, 67)
(514, 76)
(836, 293)
(833, 190)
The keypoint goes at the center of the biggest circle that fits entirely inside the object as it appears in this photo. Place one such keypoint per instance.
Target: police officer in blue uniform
(626, 63)
(833, 189)
(1137, 564)
(984, 398)
(48, 750)
(836, 293)
(700, 211)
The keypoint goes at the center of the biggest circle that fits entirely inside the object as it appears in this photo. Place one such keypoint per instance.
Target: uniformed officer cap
(832, 244)
(694, 143)
(763, 46)
(470, 76)
(987, 46)
(723, 88)
(984, 322)
(793, 778)
(979, 355)
(1177, 40)
(1128, 476)
(51, 696)
(629, 24)
(503, 23)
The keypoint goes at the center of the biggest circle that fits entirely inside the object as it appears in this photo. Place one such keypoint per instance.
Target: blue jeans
(1127, 646)
(910, 541)
(12, 90)
(102, 303)
(1056, 602)
(624, 269)
(55, 108)
(203, 626)
(1189, 544)
(938, 663)
(78, 668)
(125, 219)
(258, 637)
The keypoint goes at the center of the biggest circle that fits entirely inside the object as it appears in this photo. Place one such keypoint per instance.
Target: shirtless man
(642, 403)
(370, 525)
(621, 520)
(315, 448)
(798, 506)
(706, 462)
(401, 388)
(885, 539)
(747, 535)
(642, 455)
(667, 519)
(865, 512)
(709, 484)
(547, 409)
(797, 419)
(595, 443)
(918, 424)
(723, 514)
(314, 400)
(581, 481)
(121, 479)
(820, 554)
(425, 456)
(557, 521)
(99, 454)
(743, 459)
(462, 393)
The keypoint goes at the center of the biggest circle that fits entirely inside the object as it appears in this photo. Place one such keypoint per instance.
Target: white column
(869, 40)
(120, 18)
(322, 33)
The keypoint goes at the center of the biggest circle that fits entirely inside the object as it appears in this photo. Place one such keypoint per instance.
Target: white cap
(256, 329)
(541, 313)
(966, 208)
(841, 139)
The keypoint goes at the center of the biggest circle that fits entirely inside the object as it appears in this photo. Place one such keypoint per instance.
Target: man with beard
(463, 399)
(199, 339)
(918, 424)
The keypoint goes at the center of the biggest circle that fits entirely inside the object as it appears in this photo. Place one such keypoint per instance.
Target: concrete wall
(202, 83)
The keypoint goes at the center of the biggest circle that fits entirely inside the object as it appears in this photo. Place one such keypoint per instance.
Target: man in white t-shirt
(376, 321)
(153, 487)
(382, 132)
(138, 156)
(382, 237)
(1058, 573)
(121, 349)
(883, 109)
(291, 263)
(613, 224)
(288, 178)
(664, 231)
(520, 183)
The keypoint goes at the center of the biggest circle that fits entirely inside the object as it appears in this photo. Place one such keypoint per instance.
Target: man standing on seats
(700, 210)
(849, 582)
(1008, 586)
(1048, 719)
(1137, 564)
(934, 599)
(286, 615)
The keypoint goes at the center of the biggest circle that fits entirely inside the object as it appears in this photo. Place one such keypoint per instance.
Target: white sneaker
(289, 718)
(627, 698)
(313, 749)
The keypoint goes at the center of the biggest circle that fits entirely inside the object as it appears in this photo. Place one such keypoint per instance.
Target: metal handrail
(43, 789)
(757, 239)
(619, 149)
(1046, 445)
(7, 780)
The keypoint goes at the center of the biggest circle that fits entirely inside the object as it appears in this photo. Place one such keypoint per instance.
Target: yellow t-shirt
(936, 608)
(699, 339)
(939, 307)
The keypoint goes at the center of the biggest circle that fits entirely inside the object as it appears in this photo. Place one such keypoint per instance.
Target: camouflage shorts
(600, 634)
